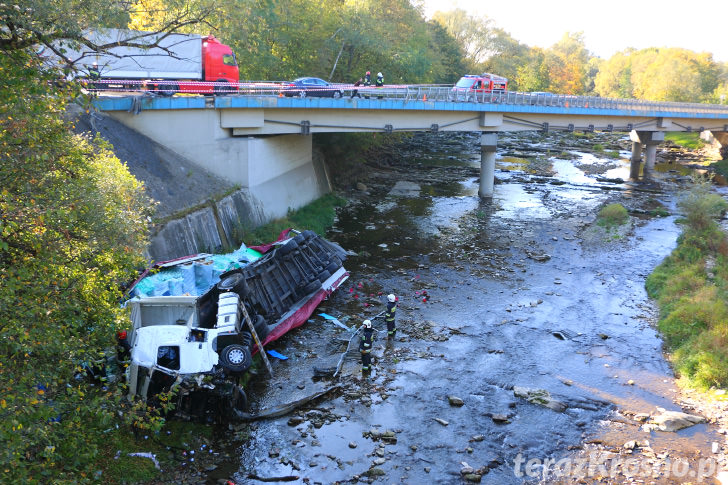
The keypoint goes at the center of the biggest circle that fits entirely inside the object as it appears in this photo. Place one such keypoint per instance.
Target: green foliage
(72, 230)
(612, 215)
(317, 216)
(691, 287)
(666, 74)
(700, 206)
(684, 139)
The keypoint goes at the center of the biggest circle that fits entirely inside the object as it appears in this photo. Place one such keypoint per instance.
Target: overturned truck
(189, 328)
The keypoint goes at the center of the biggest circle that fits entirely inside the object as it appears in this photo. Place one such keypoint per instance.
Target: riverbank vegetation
(691, 288)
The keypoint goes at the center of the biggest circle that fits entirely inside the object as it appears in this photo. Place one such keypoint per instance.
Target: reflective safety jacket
(365, 344)
(391, 309)
(380, 82)
(367, 80)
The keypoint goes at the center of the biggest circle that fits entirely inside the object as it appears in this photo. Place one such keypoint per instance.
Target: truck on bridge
(154, 61)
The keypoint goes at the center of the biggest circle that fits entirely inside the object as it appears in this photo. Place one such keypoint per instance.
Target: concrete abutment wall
(274, 173)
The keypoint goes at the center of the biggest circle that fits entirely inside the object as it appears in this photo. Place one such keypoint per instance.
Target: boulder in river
(539, 396)
(672, 421)
(455, 401)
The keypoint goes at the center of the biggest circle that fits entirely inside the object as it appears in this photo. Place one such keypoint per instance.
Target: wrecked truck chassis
(199, 347)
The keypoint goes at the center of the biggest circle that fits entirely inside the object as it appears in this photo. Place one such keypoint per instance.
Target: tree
(72, 231)
(474, 34)
(567, 65)
(660, 75)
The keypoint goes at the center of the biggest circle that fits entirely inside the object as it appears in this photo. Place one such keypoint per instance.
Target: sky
(608, 27)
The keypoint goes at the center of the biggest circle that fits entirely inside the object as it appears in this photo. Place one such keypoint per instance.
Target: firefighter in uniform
(365, 346)
(367, 82)
(379, 82)
(390, 314)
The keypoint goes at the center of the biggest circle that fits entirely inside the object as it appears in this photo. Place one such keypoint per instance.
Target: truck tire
(261, 327)
(234, 282)
(333, 267)
(288, 247)
(323, 276)
(310, 288)
(236, 358)
(308, 234)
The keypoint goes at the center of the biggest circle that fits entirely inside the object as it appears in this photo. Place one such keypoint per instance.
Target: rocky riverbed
(526, 349)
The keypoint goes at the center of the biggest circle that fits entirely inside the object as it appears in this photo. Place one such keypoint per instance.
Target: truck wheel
(324, 276)
(310, 288)
(333, 267)
(288, 247)
(236, 358)
(235, 282)
(308, 234)
(261, 327)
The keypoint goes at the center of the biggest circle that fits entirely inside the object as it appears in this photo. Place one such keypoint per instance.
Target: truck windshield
(229, 60)
(465, 82)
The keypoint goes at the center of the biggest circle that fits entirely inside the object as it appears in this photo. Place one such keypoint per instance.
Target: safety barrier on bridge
(430, 93)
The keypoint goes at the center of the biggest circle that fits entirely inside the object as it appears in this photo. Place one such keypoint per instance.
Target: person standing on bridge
(355, 92)
(365, 346)
(389, 316)
(379, 82)
(367, 82)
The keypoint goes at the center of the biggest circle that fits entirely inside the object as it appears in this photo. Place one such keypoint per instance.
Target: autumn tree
(667, 74)
(567, 64)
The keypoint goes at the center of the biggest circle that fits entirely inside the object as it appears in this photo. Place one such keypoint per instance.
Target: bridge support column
(634, 166)
(650, 139)
(488, 144)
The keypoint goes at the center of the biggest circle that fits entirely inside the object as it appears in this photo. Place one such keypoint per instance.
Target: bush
(612, 215)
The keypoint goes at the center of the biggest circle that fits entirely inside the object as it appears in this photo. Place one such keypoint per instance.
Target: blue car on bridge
(311, 86)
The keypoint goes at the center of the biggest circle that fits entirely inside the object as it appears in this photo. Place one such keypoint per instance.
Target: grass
(691, 288)
(690, 140)
(612, 215)
(115, 466)
(317, 216)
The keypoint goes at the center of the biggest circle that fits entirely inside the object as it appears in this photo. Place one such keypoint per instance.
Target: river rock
(375, 472)
(539, 396)
(441, 421)
(361, 187)
(455, 401)
(673, 420)
(472, 478)
(295, 421)
(499, 418)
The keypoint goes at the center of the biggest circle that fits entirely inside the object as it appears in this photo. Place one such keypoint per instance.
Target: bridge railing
(421, 92)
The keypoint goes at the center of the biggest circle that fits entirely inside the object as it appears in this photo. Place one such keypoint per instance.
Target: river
(523, 291)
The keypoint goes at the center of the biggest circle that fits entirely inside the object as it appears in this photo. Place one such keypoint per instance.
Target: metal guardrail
(425, 92)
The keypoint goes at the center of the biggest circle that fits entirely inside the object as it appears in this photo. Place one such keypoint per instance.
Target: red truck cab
(477, 84)
(219, 66)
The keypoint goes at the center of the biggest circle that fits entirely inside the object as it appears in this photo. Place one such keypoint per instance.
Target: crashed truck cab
(166, 354)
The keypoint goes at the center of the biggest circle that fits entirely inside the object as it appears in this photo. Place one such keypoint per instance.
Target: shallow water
(488, 324)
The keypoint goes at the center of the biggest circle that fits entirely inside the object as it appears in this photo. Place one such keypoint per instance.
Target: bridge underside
(235, 137)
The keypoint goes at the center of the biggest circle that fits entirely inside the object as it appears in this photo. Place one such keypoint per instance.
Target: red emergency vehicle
(480, 83)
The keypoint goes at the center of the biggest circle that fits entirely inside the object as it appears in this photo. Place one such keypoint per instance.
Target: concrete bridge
(262, 141)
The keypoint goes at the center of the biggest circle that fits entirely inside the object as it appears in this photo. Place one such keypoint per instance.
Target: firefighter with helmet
(390, 314)
(365, 346)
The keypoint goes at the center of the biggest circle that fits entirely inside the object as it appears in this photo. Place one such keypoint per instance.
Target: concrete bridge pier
(488, 144)
(650, 139)
(634, 166)
(722, 138)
